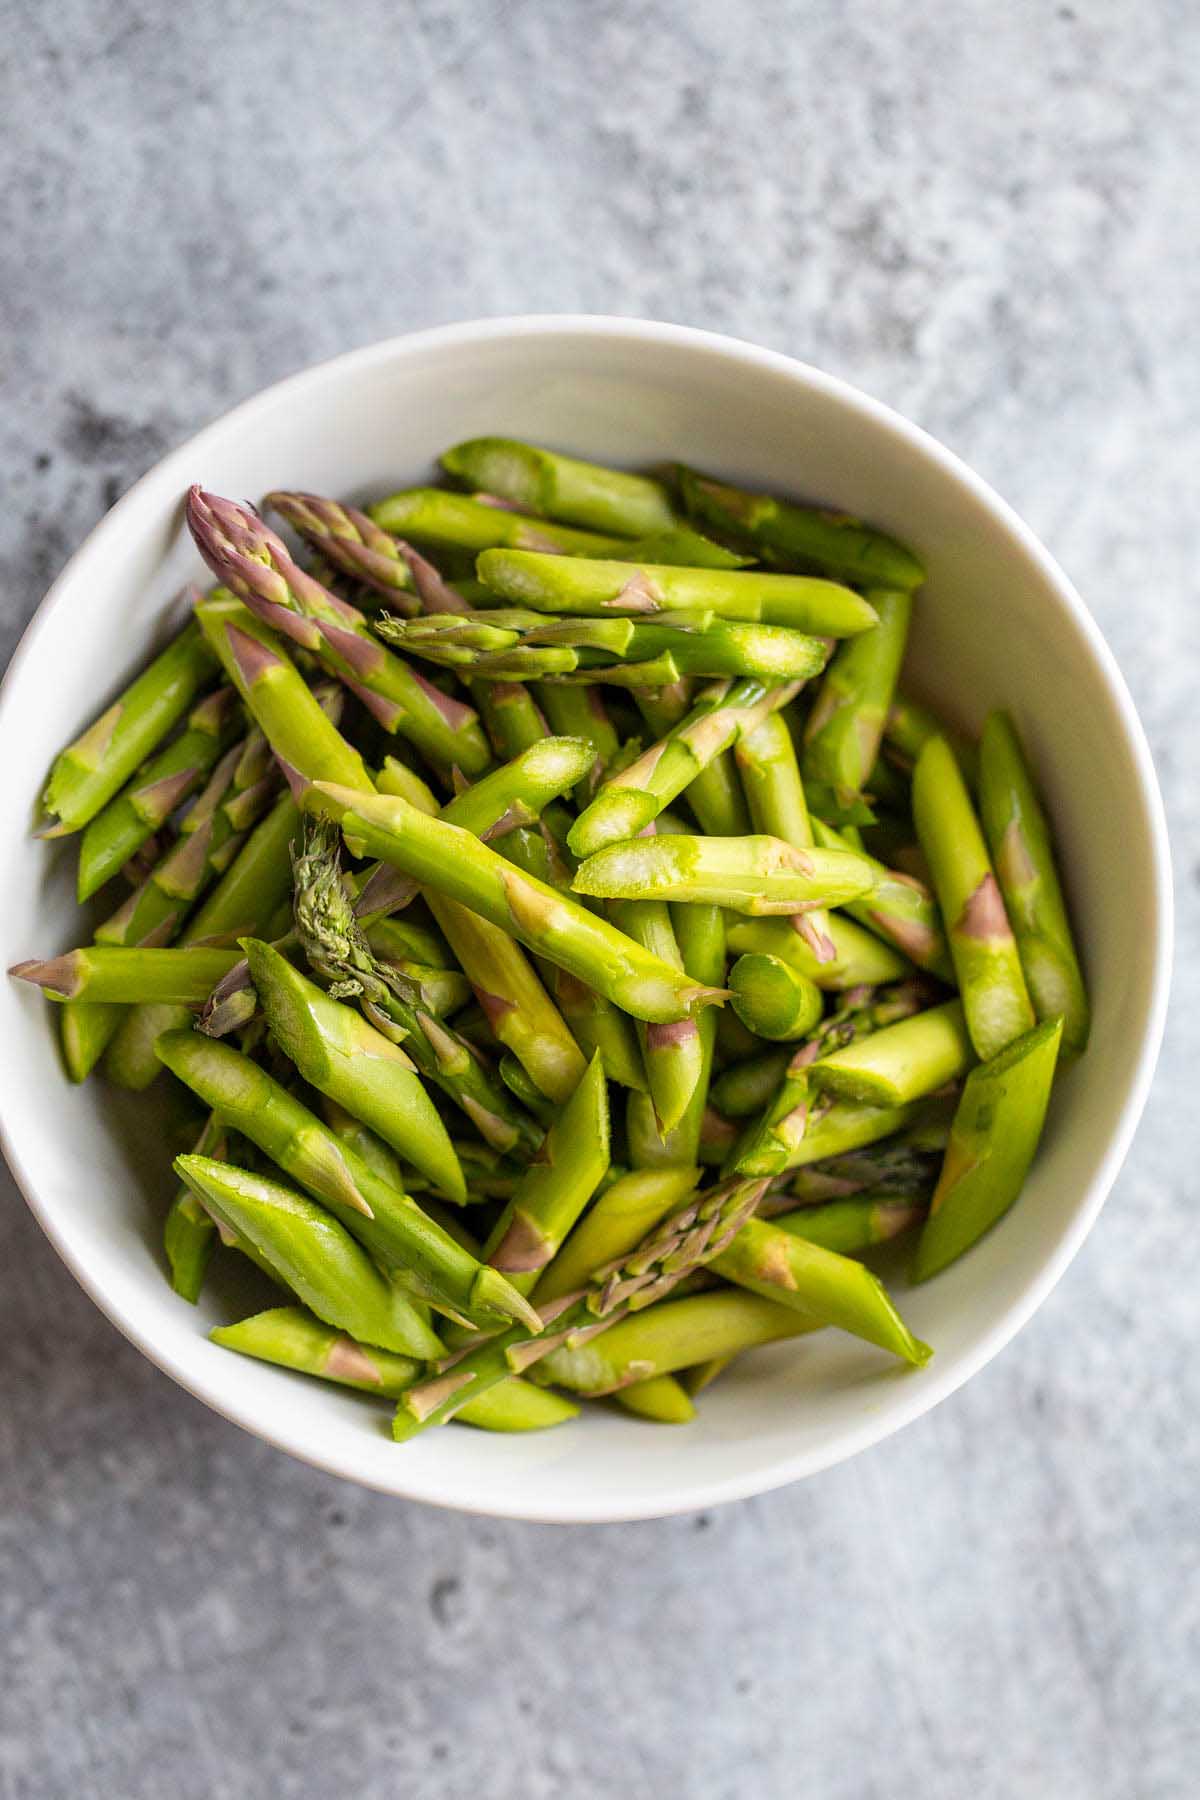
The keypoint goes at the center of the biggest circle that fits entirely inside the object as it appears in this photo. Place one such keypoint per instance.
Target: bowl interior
(996, 624)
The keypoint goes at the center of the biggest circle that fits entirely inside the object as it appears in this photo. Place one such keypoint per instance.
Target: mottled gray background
(985, 215)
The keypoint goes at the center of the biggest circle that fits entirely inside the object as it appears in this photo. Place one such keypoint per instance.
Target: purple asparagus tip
(56, 974)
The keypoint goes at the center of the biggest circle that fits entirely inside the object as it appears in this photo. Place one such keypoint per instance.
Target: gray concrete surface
(984, 215)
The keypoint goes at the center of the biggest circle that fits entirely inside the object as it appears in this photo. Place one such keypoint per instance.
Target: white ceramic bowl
(997, 623)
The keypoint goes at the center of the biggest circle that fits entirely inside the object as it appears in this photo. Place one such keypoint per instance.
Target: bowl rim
(172, 472)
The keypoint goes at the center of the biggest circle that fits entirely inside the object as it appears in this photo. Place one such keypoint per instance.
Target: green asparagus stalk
(510, 713)
(144, 806)
(1018, 835)
(581, 712)
(555, 1187)
(772, 1000)
(256, 883)
(308, 745)
(420, 1257)
(992, 1143)
(518, 792)
(849, 1125)
(579, 585)
(562, 487)
(748, 1087)
(660, 1398)
(677, 1334)
(911, 724)
(85, 1030)
(449, 521)
(684, 1242)
(292, 1338)
(189, 1232)
(104, 973)
(785, 533)
(770, 772)
(986, 961)
(340, 954)
(899, 909)
(341, 1054)
(700, 935)
(632, 652)
(255, 564)
(523, 1090)
(452, 862)
(210, 837)
(845, 727)
(770, 1142)
(823, 1286)
(859, 959)
(854, 1225)
(89, 772)
(714, 792)
(629, 801)
(754, 875)
(683, 547)
(672, 1054)
(905, 1061)
(309, 1252)
(614, 1225)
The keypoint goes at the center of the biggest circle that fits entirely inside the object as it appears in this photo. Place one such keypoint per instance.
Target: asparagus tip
(57, 974)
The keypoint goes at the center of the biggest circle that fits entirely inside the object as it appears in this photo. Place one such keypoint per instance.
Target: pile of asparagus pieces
(446, 840)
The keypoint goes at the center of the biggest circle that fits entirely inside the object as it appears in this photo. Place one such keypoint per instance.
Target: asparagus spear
(510, 713)
(992, 1143)
(902, 1168)
(825, 1287)
(630, 800)
(339, 953)
(341, 1054)
(786, 533)
(766, 760)
(909, 727)
(899, 909)
(684, 1242)
(634, 652)
(306, 742)
(97, 765)
(309, 1252)
(581, 712)
(561, 487)
(749, 1086)
(677, 1334)
(905, 1061)
(518, 792)
(240, 786)
(859, 959)
(714, 792)
(257, 882)
(189, 1232)
(255, 564)
(1018, 835)
(451, 861)
(85, 1029)
(419, 1255)
(853, 1225)
(614, 1225)
(700, 935)
(293, 1339)
(772, 999)
(660, 1398)
(986, 960)
(555, 1187)
(581, 585)
(672, 1054)
(845, 727)
(463, 522)
(103, 972)
(772, 1141)
(755, 875)
(144, 806)
(355, 545)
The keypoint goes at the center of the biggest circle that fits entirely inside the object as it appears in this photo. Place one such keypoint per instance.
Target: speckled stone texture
(984, 215)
